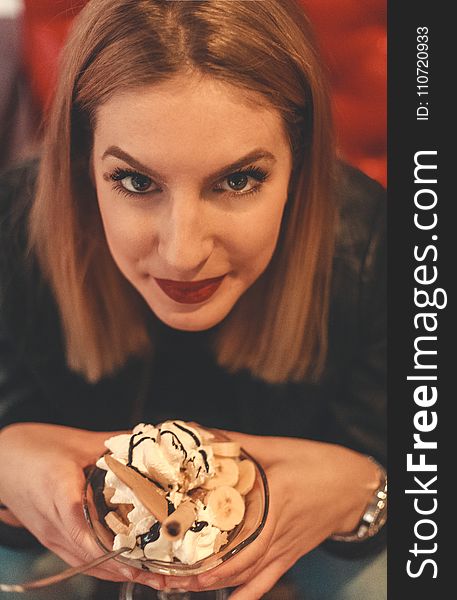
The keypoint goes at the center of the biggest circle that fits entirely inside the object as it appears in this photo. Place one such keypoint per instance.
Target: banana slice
(246, 478)
(227, 506)
(226, 449)
(226, 474)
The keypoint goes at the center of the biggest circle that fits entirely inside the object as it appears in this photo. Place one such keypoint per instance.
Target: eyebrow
(249, 158)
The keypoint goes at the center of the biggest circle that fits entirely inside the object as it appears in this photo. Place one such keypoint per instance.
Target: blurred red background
(353, 40)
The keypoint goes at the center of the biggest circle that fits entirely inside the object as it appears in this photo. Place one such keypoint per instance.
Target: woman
(189, 246)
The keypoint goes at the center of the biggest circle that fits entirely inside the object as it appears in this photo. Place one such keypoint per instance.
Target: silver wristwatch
(374, 516)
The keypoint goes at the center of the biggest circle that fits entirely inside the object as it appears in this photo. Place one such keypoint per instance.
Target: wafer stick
(115, 523)
(175, 525)
(146, 492)
(123, 510)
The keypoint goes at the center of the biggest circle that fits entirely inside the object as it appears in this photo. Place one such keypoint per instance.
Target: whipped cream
(174, 456)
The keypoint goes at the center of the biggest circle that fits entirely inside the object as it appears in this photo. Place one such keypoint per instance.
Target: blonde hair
(278, 328)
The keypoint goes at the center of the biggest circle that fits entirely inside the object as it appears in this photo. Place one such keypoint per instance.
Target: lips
(190, 292)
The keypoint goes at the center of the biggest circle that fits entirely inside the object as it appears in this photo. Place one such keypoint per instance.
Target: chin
(189, 322)
(190, 317)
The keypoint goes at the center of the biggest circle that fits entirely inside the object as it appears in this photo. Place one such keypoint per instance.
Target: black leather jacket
(347, 407)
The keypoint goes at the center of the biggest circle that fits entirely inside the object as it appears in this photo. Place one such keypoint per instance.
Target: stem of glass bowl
(174, 595)
(178, 595)
(182, 595)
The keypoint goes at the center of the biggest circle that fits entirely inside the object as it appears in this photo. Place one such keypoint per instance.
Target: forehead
(189, 114)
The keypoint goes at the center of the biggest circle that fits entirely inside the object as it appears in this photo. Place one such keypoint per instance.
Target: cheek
(253, 240)
(128, 238)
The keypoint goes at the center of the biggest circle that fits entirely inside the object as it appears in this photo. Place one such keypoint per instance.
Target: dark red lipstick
(190, 292)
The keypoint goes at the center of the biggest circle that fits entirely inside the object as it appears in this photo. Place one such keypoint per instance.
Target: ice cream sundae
(174, 493)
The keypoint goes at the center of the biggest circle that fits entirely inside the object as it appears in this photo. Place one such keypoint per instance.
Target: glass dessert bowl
(256, 509)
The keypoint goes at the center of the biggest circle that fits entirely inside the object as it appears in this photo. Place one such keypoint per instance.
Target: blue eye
(243, 181)
(132, 182)
(136, 183)
(238, 181)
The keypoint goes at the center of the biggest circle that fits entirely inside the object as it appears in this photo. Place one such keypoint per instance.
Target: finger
(188, 583)
(80, 542)
(262, 583)
(231, 569)
(74, 543)
(122, 573)
(275, 556)
(81, 546)
(86, 550)
(60, 543)
(153, 580)
(255, 444)
(193, 583)
(241, 577)
(238, 574)
(244, 563)
(100, 572)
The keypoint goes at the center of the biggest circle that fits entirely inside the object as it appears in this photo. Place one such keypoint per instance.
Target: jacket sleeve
(367, 385)
(20, 396)
(358, 403)
(20, 400)
(359, 407)
(362, 411)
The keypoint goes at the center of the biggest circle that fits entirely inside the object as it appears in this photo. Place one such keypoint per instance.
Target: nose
(185, 239)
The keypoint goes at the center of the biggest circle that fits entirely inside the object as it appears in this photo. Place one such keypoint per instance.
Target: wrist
(374, 514)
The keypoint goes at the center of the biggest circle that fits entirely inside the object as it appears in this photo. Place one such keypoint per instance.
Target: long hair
(278, 329)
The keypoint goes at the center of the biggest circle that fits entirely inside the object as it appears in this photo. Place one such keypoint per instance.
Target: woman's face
(192, 179)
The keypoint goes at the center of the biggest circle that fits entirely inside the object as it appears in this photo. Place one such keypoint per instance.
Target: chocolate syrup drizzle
(191, 433)
(154, 532)
(132, 446)
(150, 536)
(176, 444)
(134, 443)
(199, 525)
(180, 446)
(205, 458)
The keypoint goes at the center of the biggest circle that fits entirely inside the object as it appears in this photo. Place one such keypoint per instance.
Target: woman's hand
(41, 482)
(316, 490)
(7, 517)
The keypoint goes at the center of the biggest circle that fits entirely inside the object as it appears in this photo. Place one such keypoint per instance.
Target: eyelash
(255, 172)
